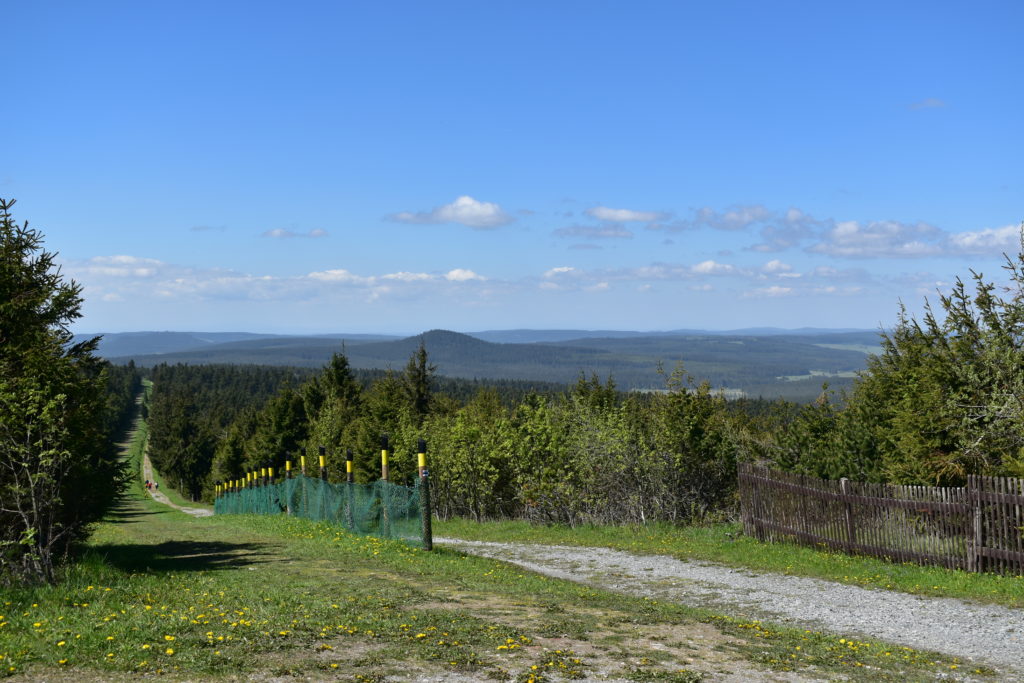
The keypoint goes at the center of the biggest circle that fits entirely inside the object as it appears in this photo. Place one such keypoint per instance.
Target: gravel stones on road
(988, 634)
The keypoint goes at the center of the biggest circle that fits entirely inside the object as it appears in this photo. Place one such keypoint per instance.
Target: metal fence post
(425, 511)
(385, 520)
(350, 489)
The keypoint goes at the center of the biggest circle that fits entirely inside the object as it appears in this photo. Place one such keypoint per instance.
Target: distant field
(820, 375)
(862, 348)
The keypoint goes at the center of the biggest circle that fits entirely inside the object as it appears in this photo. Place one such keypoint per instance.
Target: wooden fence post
(974, 531)
(756, 513)
(851, 530)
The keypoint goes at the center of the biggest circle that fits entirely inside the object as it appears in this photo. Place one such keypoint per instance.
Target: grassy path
(161, 497)
(274, 598)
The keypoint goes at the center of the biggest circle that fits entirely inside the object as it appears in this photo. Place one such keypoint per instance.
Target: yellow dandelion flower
(169, 651)
(168, 638)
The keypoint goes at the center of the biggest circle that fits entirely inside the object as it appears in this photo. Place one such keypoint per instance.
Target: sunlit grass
(161, 592)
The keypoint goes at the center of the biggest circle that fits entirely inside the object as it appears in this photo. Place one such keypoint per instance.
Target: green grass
(134, 456)
(726, 544)
(232, 596)
(161, 592)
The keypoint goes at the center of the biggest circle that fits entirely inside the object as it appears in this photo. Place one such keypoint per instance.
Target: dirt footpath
(160, 497)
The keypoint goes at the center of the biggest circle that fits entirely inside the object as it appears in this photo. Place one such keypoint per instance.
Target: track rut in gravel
(984, 634)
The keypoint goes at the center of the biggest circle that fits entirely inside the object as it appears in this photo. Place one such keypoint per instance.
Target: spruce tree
(58, 472)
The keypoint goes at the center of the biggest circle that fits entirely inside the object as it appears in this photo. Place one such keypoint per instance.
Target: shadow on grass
(184, 556)
(127, 511)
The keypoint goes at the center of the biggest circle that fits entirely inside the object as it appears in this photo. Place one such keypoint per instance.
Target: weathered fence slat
(978, 527)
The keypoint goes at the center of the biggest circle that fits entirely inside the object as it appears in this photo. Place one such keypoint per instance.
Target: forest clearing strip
(160, 497)
(983, 633)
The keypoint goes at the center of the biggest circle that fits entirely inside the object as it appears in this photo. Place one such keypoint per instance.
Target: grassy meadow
(160, 593)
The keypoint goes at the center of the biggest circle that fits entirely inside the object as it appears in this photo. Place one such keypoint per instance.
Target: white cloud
(713, 268)
(595, 232)
(604, 213)
(281, 233)
(120, 266)
(769, 292)
(407, 277)
(1006, 238)
(464, 210)
(788, 230)
(776, 266)
(890, 239)
(339, 275)
(560, 270)
(599, 287)
(111, 279)
(734, 218)
(462, 275)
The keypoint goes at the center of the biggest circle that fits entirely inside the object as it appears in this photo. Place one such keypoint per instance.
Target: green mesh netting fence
(380, 509)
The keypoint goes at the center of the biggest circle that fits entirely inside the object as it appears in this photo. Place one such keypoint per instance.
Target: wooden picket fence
(978, 527)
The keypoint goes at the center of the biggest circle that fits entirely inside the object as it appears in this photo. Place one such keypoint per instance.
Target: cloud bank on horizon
(401, 167)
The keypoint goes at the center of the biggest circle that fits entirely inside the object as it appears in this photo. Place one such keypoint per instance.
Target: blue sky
(396, 167)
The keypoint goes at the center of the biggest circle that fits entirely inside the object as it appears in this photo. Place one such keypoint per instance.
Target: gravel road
(978, 633)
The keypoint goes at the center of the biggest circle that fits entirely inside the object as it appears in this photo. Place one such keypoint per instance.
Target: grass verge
(231, 597)
(726, 544)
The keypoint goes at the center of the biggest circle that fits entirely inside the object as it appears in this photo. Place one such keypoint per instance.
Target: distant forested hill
(787, 365)
(118, 344)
